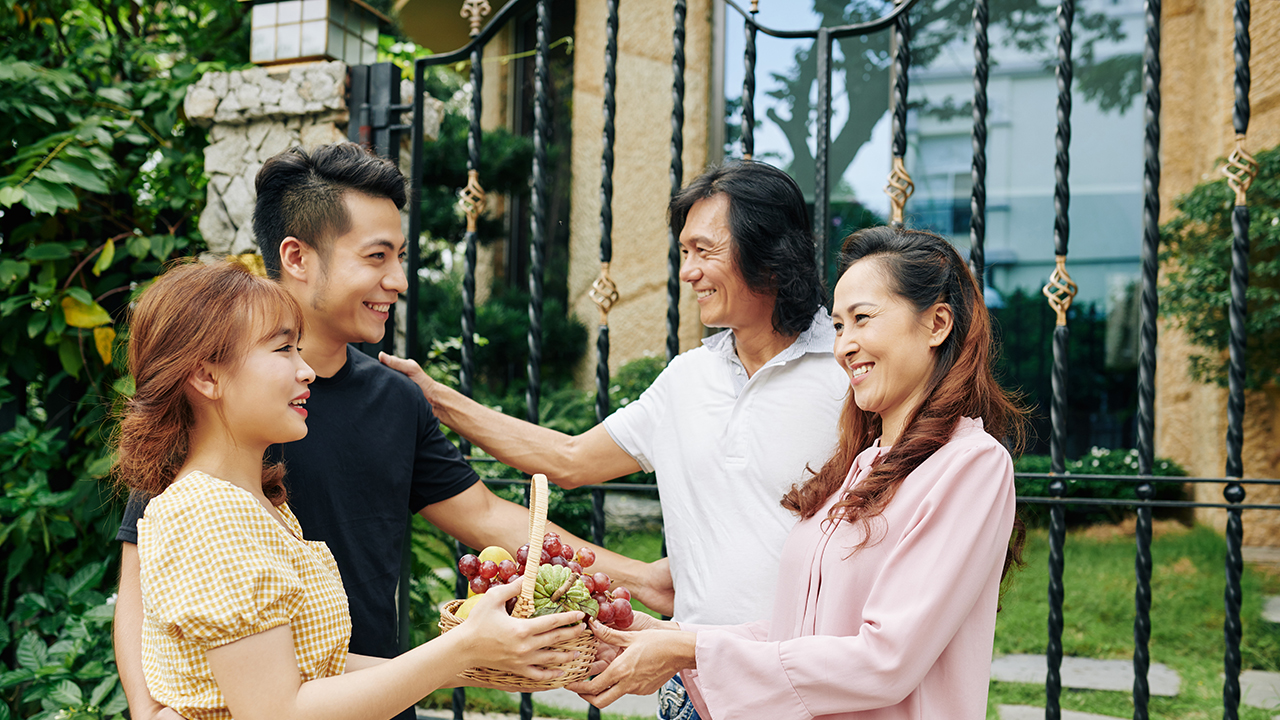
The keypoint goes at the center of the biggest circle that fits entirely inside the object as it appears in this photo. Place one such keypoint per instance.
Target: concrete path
(1260, 689)
(1028, 712)
(1085, 674)
(629, 705)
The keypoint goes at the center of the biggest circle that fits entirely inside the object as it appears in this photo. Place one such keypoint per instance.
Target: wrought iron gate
(1059, 291)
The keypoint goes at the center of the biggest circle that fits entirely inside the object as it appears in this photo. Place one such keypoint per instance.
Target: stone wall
(1197, 94)
(256, 113)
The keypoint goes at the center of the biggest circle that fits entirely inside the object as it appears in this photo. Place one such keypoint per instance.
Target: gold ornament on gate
(604, 293)
(900, 188)
(1241, 169)
(471, 199)
(1060, 289)
(474, 11)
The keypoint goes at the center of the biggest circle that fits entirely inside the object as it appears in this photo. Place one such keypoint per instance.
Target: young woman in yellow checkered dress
(243, 616)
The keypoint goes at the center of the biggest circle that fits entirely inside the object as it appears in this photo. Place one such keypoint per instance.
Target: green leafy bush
(1196, 295)
(1098, 461)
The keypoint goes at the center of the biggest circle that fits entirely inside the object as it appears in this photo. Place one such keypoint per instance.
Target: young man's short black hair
(772, 239)
(300, 195)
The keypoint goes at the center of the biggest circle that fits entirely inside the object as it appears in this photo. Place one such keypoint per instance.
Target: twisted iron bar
(467, 371)
(1234, 492)
(900, 186)
(1149, 302)
(978, 198)
(821, 203)
(1057, 539)
(1062, 139)
(677, 176)
(538, 209)
(749, 87)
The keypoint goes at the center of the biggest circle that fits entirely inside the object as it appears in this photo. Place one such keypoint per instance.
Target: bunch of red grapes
(615, 604)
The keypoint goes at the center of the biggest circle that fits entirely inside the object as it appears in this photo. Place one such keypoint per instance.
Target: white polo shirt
(726, 449)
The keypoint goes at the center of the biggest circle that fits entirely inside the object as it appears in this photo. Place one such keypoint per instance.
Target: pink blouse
(900, 629)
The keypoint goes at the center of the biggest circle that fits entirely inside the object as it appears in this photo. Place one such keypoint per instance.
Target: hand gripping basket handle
(537, 529)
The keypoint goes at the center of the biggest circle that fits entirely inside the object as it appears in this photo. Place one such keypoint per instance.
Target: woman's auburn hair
(193, 313)
(923, 269)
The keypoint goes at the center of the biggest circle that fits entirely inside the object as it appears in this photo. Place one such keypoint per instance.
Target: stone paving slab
(1085, 674)
(629, 705)
(1260, 689)
(1271, 609)
(1028, 712)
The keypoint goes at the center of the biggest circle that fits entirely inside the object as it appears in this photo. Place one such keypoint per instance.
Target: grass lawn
(1187, 585)
(1188, 580)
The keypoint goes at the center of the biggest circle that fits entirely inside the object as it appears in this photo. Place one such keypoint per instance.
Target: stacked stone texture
(256, 113)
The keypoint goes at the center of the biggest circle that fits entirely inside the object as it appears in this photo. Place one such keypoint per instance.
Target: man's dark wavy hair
(300, 195)
(772, 238)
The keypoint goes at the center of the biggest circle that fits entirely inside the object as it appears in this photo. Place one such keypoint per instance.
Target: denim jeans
(674, 702)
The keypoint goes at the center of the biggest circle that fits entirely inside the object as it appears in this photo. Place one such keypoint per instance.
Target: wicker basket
(584, 643)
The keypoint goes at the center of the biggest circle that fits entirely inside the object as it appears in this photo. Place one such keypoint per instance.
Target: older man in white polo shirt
(728, 427)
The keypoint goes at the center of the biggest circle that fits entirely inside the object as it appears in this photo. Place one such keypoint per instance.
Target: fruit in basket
(557, 589)
(465, 609)
(496, 554)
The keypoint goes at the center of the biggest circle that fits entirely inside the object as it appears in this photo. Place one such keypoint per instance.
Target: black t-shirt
(373, 454)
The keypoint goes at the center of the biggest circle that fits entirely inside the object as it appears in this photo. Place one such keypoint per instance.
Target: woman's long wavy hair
(924, 269)
(193, 313)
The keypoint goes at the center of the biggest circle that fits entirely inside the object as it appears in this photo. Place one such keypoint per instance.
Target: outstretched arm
(259, 676)
(479, 518)
(126, 635)
(567, 460)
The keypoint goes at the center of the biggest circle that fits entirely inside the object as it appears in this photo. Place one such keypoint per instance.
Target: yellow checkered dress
(216, 568)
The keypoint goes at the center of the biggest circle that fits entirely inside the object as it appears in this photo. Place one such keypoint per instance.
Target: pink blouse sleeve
(929, 585)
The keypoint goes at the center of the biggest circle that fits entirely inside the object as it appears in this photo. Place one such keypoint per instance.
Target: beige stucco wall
(1197, 93)
(641, 170)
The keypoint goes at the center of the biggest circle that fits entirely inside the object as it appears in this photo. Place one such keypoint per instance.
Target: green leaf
(45, 197)
(10, 195)
(31, 652)
(36, 324)
(12, 271)
(102, 613)
(4, 711)
(85, 578)
(115, 95)
(81, 174)
(47, 251)
(81, 295)
(13, 677)
(106, 257)
(69, 355)
(67, 693)
(83, 314)
(17, 561)
(101, 690)
(124, 386)
(117, 704)
(138, 246)
(43, 113)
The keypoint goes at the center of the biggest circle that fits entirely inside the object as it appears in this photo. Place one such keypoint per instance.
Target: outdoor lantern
(299, 30)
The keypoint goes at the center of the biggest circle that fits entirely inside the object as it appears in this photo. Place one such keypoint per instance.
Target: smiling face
(263, 396)
(361, 277)
(885, 345)
(708, 265)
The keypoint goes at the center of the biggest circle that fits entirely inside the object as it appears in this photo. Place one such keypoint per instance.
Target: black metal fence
(1059, 291)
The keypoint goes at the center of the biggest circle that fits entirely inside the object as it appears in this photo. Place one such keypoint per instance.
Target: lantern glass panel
(313, 9)
(371, 29)
(352, 54)
(288, 39)
(264, 14)
(335, 41)
(262, 45)
(370, 54)
(313, 36)
(338, 13)
(290, 11)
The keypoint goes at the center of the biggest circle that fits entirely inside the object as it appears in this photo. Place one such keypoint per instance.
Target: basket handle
(537, 529)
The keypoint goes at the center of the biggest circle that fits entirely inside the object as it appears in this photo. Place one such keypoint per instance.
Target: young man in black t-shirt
(328, 226)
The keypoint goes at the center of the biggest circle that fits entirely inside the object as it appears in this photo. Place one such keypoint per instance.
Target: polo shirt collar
(820, 337)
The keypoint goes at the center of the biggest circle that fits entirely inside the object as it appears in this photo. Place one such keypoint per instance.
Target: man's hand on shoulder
(412, 370)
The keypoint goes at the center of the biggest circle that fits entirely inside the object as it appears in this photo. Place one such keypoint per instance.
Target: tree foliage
(1196, 295)
(100, 185)
(862, 65)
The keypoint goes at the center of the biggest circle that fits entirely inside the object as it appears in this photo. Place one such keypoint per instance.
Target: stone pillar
(641, 186)
(1197, 94)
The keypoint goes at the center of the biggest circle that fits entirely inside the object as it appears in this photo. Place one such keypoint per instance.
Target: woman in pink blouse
(886, 601)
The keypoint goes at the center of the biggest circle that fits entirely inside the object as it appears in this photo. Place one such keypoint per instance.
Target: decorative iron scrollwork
(471, 199)
(1241, 169)
(900, 188)
(474, 11)
(604, 293)
(1060, 289)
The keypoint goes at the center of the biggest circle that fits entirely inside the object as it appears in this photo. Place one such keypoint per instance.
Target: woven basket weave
(584, 644)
